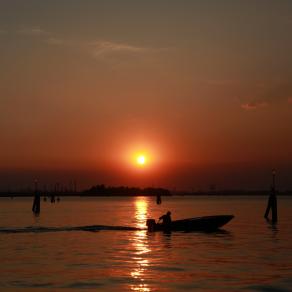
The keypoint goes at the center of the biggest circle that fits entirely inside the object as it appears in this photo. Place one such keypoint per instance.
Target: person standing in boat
(166, 220)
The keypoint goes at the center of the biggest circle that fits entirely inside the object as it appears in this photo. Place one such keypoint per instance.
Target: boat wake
(91, 228)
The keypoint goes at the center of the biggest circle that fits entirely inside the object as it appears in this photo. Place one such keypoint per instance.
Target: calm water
(249, 255)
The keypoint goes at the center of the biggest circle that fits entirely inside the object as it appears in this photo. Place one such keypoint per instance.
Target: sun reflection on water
(141, 247)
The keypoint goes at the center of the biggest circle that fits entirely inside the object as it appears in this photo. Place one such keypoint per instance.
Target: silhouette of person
(166, 220)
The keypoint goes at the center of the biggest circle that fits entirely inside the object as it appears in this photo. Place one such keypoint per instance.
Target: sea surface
(249, 254)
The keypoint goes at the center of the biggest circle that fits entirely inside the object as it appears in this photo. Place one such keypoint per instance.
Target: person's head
(168, 213)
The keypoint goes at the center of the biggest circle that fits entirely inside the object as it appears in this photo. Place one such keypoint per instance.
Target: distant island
(125, 191)
(101, 190)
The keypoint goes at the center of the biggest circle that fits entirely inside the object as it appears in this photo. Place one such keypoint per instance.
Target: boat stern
(150, 223)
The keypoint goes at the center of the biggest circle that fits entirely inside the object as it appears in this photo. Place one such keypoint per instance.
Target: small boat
(205, 223)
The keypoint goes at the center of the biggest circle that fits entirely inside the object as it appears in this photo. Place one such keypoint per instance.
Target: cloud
(33, 31)
(253, 105)
(106, 48)
(265, 95)
(99, 49)
(102, 50)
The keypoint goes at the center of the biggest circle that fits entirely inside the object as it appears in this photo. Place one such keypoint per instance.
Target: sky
(202, 88)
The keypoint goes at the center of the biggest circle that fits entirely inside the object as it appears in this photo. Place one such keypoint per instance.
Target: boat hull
(206, 223)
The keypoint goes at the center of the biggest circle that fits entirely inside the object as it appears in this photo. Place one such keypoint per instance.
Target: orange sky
(200, 85)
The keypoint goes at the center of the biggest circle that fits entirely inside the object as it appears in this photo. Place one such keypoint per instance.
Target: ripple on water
(250, 255)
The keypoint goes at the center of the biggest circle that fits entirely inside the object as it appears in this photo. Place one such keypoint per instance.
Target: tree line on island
(125, 191)
(103, 190)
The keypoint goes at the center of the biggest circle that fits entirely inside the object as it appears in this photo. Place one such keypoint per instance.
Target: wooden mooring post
(36, 206)
(272, 202)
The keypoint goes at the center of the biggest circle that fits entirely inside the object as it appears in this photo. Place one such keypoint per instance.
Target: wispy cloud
(33, 31)
(103, 48)
(99, 49)
(268, 95)
(249, 106)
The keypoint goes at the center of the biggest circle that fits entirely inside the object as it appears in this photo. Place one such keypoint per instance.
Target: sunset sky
(203, 89)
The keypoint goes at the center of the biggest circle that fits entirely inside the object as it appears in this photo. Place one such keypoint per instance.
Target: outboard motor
(151, 224)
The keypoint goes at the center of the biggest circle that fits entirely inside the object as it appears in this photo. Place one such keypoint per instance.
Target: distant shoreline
(101, 190)
(195, 194)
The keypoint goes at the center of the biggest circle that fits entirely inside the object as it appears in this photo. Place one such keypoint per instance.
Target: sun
(141, 160)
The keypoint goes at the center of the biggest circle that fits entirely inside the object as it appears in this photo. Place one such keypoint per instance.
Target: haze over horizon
(204, 88)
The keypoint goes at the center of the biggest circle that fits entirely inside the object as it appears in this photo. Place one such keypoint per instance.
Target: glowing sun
(141, 160)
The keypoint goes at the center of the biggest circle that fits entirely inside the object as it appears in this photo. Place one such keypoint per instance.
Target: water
(250, 254)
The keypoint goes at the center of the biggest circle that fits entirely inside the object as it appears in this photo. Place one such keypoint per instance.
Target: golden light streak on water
(141, 205)
(141, 247)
